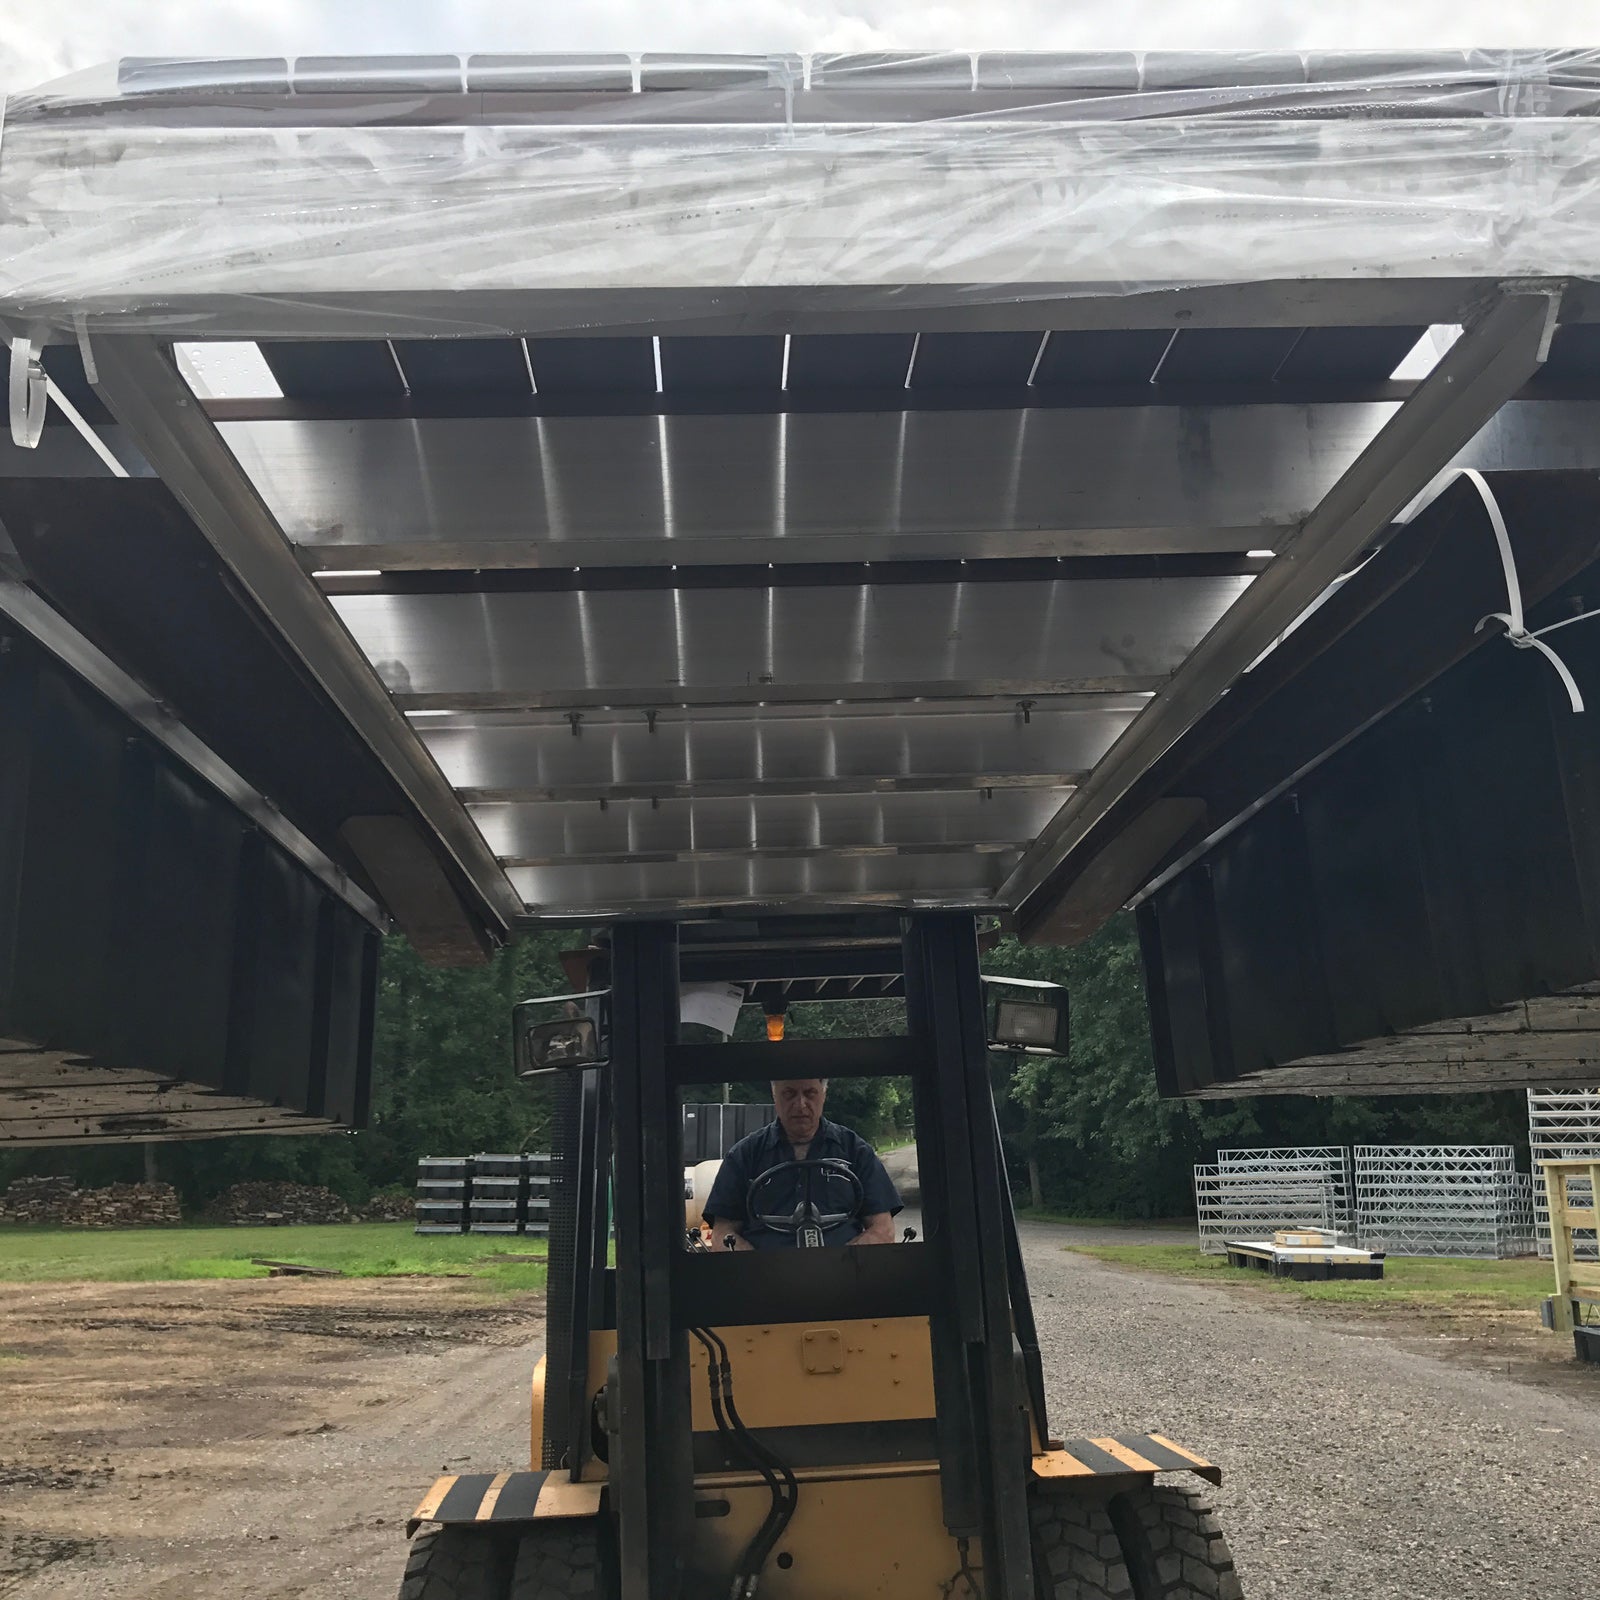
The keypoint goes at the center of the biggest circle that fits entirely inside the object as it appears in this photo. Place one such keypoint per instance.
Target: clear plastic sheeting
(526, 193)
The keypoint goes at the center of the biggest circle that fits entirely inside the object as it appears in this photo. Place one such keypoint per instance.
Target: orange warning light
(775, 1026)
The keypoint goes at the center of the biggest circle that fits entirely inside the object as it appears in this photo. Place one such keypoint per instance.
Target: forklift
(809, 1424)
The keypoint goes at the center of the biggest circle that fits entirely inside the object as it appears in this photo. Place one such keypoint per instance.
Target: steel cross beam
(138, 380)
(1499, 351)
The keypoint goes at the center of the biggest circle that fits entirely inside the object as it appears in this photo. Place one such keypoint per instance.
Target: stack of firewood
(268, 1204)
(59, 1202)
(123, 1205)
(35, 1199)
(389, 1208)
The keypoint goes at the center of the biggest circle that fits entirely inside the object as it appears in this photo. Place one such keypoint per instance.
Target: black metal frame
(1435, 861)
(987, 1375)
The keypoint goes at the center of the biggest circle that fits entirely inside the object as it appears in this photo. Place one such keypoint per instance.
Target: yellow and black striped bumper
(505, 1497)
(1129, 1455)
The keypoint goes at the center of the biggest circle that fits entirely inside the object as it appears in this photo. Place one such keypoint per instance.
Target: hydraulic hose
(769, 1464)
(743, 1443)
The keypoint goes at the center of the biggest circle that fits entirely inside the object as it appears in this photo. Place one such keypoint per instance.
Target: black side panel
(169, 974)
(62, 933)
(1442, 865)
(125, 565)
(148, 930)
(282, 985)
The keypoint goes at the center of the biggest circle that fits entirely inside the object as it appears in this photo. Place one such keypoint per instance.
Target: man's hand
(879, 1229)
(725, 1235)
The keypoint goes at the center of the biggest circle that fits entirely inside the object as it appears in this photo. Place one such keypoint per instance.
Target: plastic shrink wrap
(483, 193)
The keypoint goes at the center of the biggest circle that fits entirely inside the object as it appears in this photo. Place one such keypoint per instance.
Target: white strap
(31, 389)
(27, 394)
(85, 428)
(1512, 618)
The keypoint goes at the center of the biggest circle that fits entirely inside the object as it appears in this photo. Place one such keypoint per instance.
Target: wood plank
(295, 1269)
(90, 1101)
(23, 1131)
(1470, 1048)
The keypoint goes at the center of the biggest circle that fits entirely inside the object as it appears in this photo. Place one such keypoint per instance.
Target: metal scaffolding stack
(1443, 1200)
(444, 1194)
(1566, 1127)
(1245, 1202)
(1329, 1162)
(484, 1193)
(499, 1194)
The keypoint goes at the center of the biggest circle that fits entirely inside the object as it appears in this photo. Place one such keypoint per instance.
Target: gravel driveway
(1352, 1467)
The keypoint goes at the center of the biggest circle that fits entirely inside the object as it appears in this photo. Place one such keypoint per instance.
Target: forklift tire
(1076, 1553)
(1173, 1545)
(559, 1561)
(458, 1562)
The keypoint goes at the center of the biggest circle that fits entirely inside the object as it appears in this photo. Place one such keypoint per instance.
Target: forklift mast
(621, 1129)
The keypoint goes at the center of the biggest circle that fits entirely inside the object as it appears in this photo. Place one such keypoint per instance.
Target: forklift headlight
(1035, 1021)
(1022, 1022)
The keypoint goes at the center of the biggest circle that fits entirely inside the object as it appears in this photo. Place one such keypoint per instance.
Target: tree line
(1085, 1135)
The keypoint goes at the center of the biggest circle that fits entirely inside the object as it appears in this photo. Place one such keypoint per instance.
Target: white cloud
(38, 43)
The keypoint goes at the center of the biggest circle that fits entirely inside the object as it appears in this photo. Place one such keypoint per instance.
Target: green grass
(361, 1250)
(1406, 1281)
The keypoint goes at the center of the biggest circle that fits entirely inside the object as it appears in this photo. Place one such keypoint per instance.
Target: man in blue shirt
(801, 1133)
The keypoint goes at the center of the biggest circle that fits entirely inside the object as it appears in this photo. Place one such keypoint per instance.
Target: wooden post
(1575, 1280)
(1555, 1183)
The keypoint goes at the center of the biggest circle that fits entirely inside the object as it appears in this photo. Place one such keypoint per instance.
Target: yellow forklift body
(863, 1528)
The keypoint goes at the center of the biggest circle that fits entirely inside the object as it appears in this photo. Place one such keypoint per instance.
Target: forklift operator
(801, 1134)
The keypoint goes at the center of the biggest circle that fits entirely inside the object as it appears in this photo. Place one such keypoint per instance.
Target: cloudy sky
(39, 41)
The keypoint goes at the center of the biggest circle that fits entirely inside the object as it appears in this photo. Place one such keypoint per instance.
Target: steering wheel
(806, 1222)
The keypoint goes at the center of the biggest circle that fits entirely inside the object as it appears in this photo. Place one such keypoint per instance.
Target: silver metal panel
(286, 460)
(545, 833)
(521, 491)
(687, 646)
(774, 749)
(900, 878)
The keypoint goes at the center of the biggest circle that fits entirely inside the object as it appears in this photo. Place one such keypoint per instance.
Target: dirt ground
(267, 1438)
(248, 1439)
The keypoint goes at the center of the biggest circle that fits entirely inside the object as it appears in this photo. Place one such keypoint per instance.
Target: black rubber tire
(560, 1560)
(1173, 1544)
(457, 1562)
(1076, 1553)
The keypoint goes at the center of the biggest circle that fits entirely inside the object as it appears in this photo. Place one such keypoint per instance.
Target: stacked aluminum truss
(1328, 1162)
(1564, 1126)
(1415, 1200)
(1249, 1194)
(1443, 1200)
